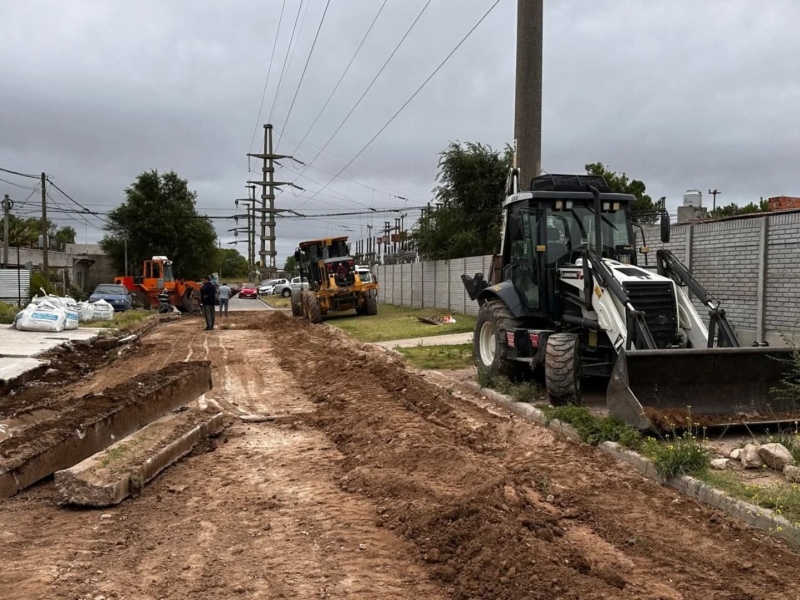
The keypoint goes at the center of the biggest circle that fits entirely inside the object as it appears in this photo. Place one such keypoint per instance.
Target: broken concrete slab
(16, 371)
(775, 456)
(719, 463)
(28, 344)
(95, 421)
(111, 475)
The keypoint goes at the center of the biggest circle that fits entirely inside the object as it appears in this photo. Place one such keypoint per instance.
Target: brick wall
(751, 265)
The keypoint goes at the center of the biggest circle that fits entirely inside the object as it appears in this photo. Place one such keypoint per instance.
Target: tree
(620, 183)
(232, 265)
(159, 217)
(733, 209)
(469, 196)
(290, 267)
(65, 235)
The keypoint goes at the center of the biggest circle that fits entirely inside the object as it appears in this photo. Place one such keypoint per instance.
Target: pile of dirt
(502, 509)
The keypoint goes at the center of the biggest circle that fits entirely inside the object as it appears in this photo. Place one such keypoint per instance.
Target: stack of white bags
(51, 313)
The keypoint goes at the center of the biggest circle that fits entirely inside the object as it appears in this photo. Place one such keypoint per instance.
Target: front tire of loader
(313, 311)
(371, 308)
(297, 304)
(562, 369)
(140, 300)
(494, 319)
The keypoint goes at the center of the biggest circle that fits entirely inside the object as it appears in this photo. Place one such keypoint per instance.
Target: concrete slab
(27, 344)
(447, 339)
(95, 421)
(119, 471)
(16, 371)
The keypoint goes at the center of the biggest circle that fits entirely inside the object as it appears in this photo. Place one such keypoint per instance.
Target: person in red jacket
(208, 296)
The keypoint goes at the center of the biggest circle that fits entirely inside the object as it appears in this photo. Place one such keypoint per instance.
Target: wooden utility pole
(45, 266)
(7, 205)
(528, 104)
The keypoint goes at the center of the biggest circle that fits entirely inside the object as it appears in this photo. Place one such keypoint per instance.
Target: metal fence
(14, 285)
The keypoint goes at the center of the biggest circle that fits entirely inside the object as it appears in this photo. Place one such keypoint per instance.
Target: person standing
(208, 296)
(224, 296)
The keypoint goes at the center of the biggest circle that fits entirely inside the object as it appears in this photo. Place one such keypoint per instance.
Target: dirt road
(373, 482)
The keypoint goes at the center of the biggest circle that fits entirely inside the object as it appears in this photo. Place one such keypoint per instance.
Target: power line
(407, 102)
(266, 82)
(346, 69)
(285, 61)
(303, 74)
(369, 87)
(16, 185)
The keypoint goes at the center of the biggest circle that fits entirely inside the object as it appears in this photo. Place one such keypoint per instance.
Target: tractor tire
(313, 312)
(140, 300)
(190, 303)
(562, 369)
(371, 308)
(297, 304)
(494, 319)
(286, 293)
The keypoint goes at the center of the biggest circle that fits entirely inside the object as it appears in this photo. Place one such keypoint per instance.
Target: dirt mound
(502, 509)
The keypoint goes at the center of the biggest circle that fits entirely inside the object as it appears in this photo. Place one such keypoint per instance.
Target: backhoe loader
(158, 281)
(565, 300)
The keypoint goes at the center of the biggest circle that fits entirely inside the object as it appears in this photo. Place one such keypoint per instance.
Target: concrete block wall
(751, 265)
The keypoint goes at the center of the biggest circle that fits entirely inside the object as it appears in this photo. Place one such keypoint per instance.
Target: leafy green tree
(159, 217)
(469, 196)
(65, 235)
(232, 265)
(731, 210)
(621, 183)
(290, 267)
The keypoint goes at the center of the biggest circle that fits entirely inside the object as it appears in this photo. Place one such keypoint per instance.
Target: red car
(248, 291)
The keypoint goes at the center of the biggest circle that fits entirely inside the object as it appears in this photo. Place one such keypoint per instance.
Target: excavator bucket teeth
(668, 389)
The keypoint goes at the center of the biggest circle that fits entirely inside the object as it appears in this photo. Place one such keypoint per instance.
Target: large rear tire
(562, 369)
(371, 308)
(494, 319)
(312, 310)
(297, 304)
(140, 300)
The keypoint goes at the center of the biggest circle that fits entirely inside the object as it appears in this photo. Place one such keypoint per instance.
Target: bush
(525, 391)
(683, 455)
(39, 283)
(7, 313)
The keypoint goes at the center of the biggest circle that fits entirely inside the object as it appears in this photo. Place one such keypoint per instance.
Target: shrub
(593, 429)
(683, 455)
(525, 391)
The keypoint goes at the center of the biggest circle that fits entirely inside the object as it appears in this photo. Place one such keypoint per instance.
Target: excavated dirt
(374, 483)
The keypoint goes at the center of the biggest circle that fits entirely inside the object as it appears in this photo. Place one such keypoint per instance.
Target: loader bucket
(666, 389)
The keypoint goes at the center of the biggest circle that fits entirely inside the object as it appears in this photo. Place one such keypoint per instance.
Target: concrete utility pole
(268, 186)
(714, 201)
(528, 104)
(45, 266)
(8, 204)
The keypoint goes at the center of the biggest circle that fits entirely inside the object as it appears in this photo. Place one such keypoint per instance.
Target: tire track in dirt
(500, 508)
(255, 514)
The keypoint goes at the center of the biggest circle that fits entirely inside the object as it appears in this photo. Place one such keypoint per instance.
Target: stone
(776, 456)
(736, 453)
(791, 473)
(433, 555)
(750, 457)
(719, 463)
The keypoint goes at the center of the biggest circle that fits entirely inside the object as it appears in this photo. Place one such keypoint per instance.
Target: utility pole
(528, 103)
(714, 201)
(45, 266)
(268, 186)
(7, 206)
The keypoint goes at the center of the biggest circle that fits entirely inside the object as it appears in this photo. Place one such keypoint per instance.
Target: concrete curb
(755, 516)
(78, 486)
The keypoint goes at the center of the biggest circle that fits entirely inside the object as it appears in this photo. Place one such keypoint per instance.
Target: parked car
(365, 274)
(299, 285)
(248, 291)
(116, 295)
(285, 287)
(268, 288)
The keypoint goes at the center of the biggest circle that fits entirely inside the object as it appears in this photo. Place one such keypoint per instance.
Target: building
(783, 203)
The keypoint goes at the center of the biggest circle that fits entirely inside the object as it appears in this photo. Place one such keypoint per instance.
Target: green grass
(457, 356)
(398, 323)
(122, 320)
(7, 313)
(681, 455)
(276, 301)
(783, 498)
(523, 391)
(593, 429)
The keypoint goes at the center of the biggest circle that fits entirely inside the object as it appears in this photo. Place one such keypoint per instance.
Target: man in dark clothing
(208, 296)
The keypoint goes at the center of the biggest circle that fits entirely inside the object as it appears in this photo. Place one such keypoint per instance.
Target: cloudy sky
(681, 94)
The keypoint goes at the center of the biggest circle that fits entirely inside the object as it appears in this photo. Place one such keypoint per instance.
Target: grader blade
(710, 387)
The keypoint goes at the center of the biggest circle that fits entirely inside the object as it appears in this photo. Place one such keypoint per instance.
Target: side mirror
(665, 227)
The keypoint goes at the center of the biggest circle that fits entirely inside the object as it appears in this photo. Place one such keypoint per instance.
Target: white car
(298, 284)
(267, 287)
(285, 287)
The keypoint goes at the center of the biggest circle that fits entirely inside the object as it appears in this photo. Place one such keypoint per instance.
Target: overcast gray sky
(680, 94)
